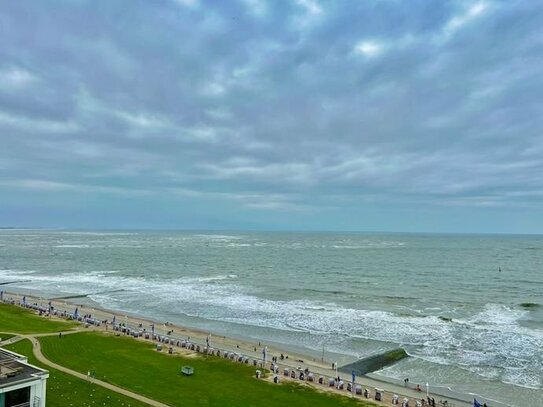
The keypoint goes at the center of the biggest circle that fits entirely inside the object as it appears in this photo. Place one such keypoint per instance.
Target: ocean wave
(490, 339)
(497, 314)
(221, 277)
(369, 245)
(217, 237)
(530, 305)
(10, 273)
(96, 233)
(73, 246)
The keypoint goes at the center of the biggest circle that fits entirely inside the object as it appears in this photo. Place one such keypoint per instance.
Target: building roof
(14, 369)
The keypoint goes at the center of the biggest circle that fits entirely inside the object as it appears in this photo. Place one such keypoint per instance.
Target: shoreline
(245, 346)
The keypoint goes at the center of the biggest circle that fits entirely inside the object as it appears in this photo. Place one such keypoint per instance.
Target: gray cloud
(284, 106)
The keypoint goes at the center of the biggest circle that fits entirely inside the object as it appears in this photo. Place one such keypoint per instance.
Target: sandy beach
(292, 360)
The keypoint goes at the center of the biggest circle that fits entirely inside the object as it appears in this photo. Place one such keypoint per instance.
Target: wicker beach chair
(379, 394)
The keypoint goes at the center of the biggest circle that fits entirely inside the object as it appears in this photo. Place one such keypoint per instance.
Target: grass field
(64, 390)
(20, 320)
(4, 336)
(135, 365)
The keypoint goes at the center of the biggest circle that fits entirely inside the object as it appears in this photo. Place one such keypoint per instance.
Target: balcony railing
(33, 403)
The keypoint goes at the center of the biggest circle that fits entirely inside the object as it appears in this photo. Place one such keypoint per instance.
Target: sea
(468, 309)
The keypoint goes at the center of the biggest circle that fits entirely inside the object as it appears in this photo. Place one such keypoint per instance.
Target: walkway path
(36, 348)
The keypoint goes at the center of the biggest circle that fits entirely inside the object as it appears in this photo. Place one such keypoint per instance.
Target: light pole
(427, 390)
(352, 386)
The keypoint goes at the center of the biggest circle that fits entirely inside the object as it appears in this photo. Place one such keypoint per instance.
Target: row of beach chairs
(299, 374)
(340, 385)
(62, 314)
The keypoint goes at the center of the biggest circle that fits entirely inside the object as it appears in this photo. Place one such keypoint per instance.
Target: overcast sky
(371, 115)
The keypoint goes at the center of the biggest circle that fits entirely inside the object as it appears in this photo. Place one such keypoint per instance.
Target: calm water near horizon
(466, 324)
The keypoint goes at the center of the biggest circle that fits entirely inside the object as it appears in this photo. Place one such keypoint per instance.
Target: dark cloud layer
(380, 114)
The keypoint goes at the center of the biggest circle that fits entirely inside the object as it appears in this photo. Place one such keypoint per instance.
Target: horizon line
(331, 231)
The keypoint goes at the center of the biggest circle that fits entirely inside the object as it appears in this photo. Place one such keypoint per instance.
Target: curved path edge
(36, 348)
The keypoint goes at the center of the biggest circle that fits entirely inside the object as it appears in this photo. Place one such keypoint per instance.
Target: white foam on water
(10, 273)
(75, 233)
(490, 344)
(217, 237)
(73, 246)
(219, 277)
(498, 314)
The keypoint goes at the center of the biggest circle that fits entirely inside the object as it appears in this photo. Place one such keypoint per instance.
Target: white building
(21, 384)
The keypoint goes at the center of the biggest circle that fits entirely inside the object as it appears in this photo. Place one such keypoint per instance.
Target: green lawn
(5, 337)
(135, 365)
(20, 320)
(64, 390)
